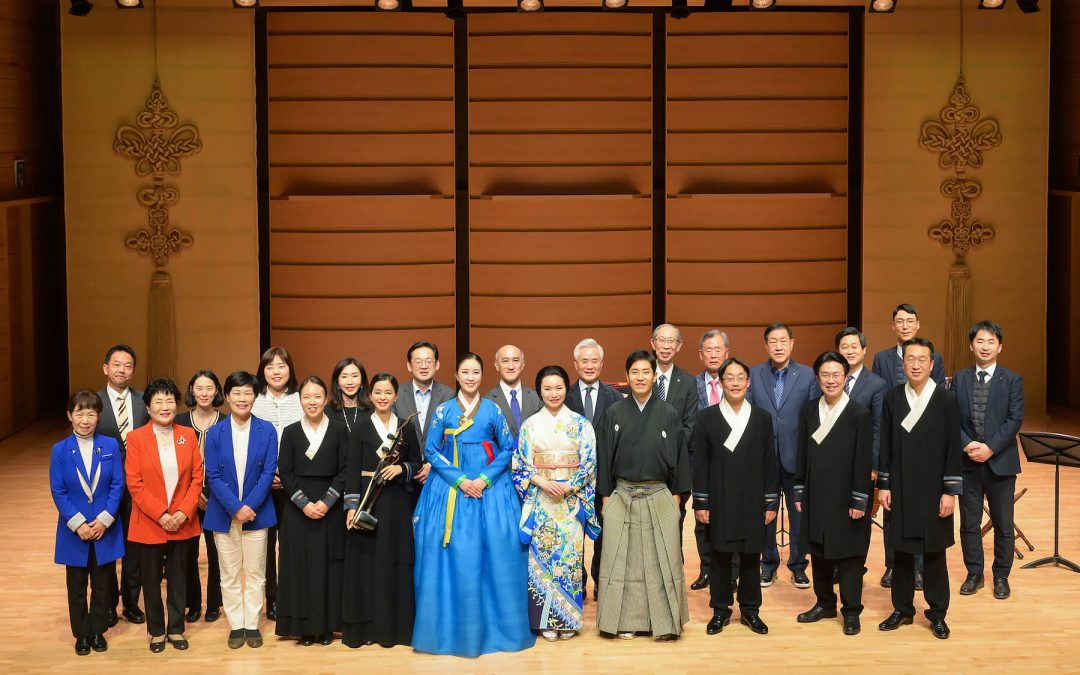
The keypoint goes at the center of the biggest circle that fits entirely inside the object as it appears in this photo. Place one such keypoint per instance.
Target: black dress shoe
(886, 579)
(800, 579)
(193, 615)
(157, 647)
(1001, 588)
(306, 640)
(918, 581)
(767, 578)
(82, 646)
(816, 613)
(112, 618)
(271, 611)
(852, 625)
(212, 615)
(98, 643)
(326, 639)
(700, 583)
(254, 638)
(716, 624)
(236, 638)
(971, 585)
(939, 628)
(134, 615)
(895, 620)
(177, 643)
(754, 623)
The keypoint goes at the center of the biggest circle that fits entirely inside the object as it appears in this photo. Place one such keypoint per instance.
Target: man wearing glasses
(422, 394)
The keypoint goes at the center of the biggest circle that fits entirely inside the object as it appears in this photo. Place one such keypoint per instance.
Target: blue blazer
(258, 475)
(800, 387)
(886, 361)
(1004, 415)
(869, 390)
(81, 496)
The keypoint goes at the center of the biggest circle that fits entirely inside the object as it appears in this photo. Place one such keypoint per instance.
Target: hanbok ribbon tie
(451, 498)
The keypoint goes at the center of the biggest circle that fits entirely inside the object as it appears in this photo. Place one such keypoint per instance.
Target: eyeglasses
(831, 377)
(734, 379)
(905, 322)
(666, 341)
(423, 362)
(919, 360)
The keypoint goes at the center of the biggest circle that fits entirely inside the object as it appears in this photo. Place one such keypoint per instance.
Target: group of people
(455, 521)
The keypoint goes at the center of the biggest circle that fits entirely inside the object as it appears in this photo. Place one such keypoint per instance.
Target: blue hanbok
(471, 578)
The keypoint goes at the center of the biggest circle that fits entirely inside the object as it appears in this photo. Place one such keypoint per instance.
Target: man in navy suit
(862, 385)
(991, 399)
(783, 387)
(517, 402)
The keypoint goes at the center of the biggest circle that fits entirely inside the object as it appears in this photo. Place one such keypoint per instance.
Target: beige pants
(242, 552)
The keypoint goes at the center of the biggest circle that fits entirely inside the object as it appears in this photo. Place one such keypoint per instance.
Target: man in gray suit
(422, 394)
(123, 410)
(517, 402)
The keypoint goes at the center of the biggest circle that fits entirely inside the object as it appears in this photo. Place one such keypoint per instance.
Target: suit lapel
(860, 384)
(226, 442)
(254, 442)
(968, 389)
(71, 448)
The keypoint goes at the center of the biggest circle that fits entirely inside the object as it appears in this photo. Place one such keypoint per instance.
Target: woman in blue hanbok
(471, 594)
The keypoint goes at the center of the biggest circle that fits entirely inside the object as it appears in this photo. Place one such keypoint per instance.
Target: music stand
(1056, 449)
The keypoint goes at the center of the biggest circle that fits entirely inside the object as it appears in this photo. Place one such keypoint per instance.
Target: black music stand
(1056, 449)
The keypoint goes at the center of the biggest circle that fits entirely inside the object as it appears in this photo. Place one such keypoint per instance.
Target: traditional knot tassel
(161, 327)
(957, 317)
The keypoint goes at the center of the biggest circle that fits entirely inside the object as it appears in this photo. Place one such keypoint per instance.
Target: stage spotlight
(679, 10)
(245, 4)
(882, 6)
(991, 4)
(530, 5)
(129, 4)
(613, 4)
(80, 7)
(762, 4)
(1028, 6)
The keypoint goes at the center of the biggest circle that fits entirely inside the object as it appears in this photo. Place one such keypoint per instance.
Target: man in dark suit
(713, 349)
(123, 411)
(862, 385)
(677, 387)
(991, 399)
(517, 402)
(422, 394)
(591, 397)
(783, 387)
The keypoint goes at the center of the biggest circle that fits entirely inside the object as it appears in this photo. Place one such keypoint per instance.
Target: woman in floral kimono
(555, 474)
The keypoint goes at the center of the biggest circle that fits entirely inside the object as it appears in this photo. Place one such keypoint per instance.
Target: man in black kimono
(919, 480)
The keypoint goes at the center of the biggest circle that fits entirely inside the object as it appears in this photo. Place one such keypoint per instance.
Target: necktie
(847, 385)
(778, 388)
(982, 376)
(515, 408)
(122, 421)
(661, 388)
(714, 392)
(589, 403)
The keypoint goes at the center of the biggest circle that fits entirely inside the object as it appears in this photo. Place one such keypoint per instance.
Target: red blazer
(146, 483)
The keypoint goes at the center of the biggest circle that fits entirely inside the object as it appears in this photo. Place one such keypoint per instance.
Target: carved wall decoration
(157, 142)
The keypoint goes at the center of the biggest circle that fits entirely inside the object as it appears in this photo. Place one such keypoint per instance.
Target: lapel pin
(180, 441)
(98, 450)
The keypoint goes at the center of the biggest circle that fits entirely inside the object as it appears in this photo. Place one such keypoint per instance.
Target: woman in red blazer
(164, 476)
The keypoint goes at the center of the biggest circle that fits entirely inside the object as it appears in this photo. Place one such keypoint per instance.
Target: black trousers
(851, 580)
(886, 528)
(278, 497)
(770, 558)
(127, 591)
(749, 594)
(935, 584)
(213, 574)
(999, 490)
(95, 621)
(172, 558)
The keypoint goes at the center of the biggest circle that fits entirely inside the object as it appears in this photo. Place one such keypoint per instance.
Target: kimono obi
(557, 465)
(634, 490)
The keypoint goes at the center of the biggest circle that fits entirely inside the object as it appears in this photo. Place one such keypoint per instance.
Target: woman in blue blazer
(241, 460)
(86, 475)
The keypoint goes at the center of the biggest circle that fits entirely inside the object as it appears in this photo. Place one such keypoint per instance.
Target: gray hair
(715, 332)
(588, 343)
(678, 333)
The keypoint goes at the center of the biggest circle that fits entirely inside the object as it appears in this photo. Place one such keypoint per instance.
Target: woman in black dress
(311, 463)
(379, 603)
(349, 395)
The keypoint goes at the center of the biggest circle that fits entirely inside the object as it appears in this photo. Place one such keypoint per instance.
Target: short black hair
(830, 357)
(160, 385)
(84, 398)
(417, 345)
(384, 376)
(917, 342)
(905, 307)
(240, 378)
(120, 348)
(337, 399)
(640, 355)
(268, 356)
(732, 362)
(850, 330)
(189, 399)
(989, 327)
(552, 371)
(778, 325)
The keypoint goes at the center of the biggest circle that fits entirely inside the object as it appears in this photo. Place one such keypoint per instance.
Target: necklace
(345, 416)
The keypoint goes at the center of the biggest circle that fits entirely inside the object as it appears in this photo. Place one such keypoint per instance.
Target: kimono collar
(465, 407)
(641, 406)
(827, 417)
(315, 436)
(382, 430)
(736, 420)
(917, 403)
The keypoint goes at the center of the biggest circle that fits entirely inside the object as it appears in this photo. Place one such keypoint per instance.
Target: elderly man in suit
(517, 402)
(783, 387)
(991, 399)
(422, 394)
(123, 410)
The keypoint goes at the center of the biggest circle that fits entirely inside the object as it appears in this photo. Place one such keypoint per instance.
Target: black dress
(348, 417)
(312, 551)
(379, 604)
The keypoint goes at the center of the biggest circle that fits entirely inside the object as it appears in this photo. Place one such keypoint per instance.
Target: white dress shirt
(240, 437)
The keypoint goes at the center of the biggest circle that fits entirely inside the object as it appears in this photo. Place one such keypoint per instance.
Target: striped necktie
(122, 421)
(661, 387)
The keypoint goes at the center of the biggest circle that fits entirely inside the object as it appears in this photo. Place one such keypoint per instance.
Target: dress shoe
(98, 643)
(1001, 588)
(918, 581)
(716, 624)
(816, 613)
(939, 628)
(700, 583)
(271, 611)
(754, 623)
(212, 615)
(895, 620)
(326, 639)
(158, 646)
(852, 625)
(193, 615)
(134, 615)
(236, 638)
(767, 578)
(306, 640)
(254, 638)
(177, 642)
(82, 646)
(971, 585)
(800, 579)
(112, 618)
(886, 579)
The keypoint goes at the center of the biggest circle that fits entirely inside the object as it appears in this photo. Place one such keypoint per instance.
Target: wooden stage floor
(1036, 630)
